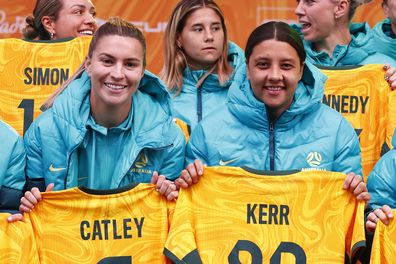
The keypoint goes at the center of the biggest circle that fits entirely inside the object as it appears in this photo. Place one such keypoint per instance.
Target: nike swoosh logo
(225, 163)
(52, 169)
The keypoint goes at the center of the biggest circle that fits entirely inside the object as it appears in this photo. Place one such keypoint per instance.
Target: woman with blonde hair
(199, 59)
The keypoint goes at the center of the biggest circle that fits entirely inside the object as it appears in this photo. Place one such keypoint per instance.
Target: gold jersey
(17, 244)
(384, 243)
(362, 95)
(31, 71)
(235, 216)
(78, 225)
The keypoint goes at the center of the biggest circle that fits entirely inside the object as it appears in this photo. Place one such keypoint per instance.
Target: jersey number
(257, 256)
(28, 106)
(116, 260)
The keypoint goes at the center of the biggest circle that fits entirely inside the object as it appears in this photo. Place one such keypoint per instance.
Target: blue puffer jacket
(381, 182)
(192, 105)
(382, 41)
(12, 168)
(308, 135)
(52, 140)
(358, 52)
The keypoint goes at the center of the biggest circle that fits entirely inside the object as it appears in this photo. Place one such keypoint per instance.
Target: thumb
(50, 187)
(154, 179)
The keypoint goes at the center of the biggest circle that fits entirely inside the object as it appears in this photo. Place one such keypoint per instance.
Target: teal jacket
(381, 182)
(192, 105)
(12, 168)
(359, 51)
(381, 39)
(52, 140)
(308, 135)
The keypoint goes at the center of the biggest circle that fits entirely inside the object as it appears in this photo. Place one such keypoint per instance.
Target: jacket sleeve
(174, 159)
(34, 160)
(196, 147)
(381, 182)
(12, 172)
(347, 155)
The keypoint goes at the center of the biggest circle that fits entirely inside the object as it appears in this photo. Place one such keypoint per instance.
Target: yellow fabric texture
(384, 243)
(230, 210)
(73, 226)
(365, 99)
(31, 71)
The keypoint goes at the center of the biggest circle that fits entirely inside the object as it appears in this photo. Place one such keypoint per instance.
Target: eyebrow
(201, 24)
(108, 55)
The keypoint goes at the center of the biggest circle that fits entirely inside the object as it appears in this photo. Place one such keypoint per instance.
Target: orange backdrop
(152, 15)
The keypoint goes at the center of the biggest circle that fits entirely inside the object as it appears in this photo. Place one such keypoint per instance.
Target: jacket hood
(236, 57)
(352, 54)
(71, 110)
(252, 112)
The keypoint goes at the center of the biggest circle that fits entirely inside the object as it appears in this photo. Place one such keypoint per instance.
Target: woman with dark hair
(199, 59)
(58, 19)
(274, 118)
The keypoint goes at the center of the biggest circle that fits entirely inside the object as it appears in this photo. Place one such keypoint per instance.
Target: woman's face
(274, 70)
(76, 18)
(202, 38)
(317, 18)
(116, 68)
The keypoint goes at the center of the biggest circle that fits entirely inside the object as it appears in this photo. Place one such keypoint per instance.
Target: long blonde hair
(115, 26)
(175, 59)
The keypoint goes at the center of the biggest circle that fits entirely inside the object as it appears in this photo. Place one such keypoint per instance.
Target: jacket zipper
(272, 145)
(199, 104)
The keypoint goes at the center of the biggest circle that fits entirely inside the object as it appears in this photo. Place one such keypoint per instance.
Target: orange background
(151, 16)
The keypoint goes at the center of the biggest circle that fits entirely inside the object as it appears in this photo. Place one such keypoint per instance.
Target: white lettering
(11, 28)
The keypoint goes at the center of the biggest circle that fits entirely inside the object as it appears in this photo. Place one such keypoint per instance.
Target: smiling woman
(111, 125)
(57, 19)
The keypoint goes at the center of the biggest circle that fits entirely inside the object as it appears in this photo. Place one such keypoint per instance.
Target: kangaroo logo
(314, 159)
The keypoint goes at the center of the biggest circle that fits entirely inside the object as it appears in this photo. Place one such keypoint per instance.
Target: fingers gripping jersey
(130, 226)
(384, 243)
(233, 216)
(17, 244)
(31, 71)
(365, 99)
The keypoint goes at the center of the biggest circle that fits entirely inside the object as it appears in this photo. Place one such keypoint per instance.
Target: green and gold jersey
(235, 216)
(362, 95)
(384, 243)
(17, 244)
(31, 71)
(78, 225)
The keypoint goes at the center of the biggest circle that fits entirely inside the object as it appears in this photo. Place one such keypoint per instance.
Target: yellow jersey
(31, 71)
(17, 244)
(384, 243)
(235, 216)
(78, 225)
(362, 95)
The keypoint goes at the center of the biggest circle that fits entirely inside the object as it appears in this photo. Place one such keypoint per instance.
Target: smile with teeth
(305, 25)
(86, 32)
(115, 86)
(274, 88)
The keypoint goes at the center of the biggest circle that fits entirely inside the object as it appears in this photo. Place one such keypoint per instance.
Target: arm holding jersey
(12, 168)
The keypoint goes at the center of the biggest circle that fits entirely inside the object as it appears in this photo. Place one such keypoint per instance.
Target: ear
(178, 42)
(302, 70)
(87, 64)
(385, 7)
(247, 70)
(48, 24)
(341, 9)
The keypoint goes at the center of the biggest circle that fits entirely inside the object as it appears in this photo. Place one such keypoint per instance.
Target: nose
(117, 72)
(208, 35)
(275, 74)
(90, 19)
(299, 11)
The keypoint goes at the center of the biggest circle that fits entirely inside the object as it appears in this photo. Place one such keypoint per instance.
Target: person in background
(59, 19)
(330, 39)
(199, 60)
(12, 168)
(274, 118)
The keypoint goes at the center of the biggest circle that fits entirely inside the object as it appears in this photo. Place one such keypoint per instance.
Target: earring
(52, 35)
(178, 44)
